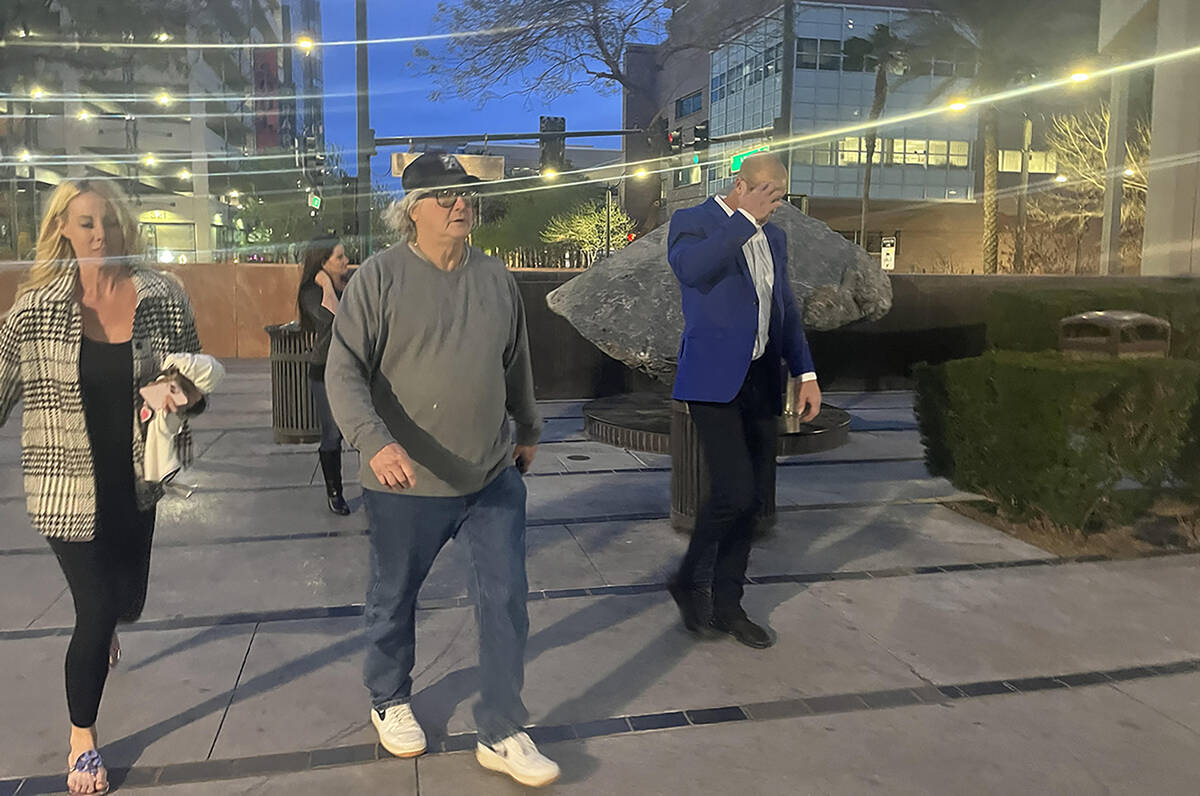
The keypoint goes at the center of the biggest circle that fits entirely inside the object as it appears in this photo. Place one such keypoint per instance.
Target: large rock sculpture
(628, 304)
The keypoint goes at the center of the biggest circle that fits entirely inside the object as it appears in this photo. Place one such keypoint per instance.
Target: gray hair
(398, 215)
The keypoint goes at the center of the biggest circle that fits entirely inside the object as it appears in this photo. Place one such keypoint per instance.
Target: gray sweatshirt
(436, 361)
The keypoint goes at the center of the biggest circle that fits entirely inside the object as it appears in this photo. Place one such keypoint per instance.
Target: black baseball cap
(435, 170)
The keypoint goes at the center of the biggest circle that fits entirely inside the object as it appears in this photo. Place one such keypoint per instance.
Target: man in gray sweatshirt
(428, 361)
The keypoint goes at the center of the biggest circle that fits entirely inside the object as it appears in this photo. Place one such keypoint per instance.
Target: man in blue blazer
(740, 322)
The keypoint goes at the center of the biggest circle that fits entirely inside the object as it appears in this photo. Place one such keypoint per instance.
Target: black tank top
(106, 382)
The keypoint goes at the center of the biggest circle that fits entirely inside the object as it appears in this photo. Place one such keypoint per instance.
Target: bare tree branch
(542, 48)
(1079, 143)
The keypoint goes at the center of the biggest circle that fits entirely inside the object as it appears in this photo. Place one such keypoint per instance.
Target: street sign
(735, 165)
(485, 167)
(314, 201)
(887, 256)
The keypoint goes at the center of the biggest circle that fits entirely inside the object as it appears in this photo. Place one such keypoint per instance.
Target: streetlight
(25, 156)
(1128, 172)
(958, 105)
(163, 99)
(549, 174)
(641, 174)
(150, 160)
(306, 44)
(163, 37)
(83, 116)
(1080, 77)
(184, 174)
(1061, 178)
(37, 92)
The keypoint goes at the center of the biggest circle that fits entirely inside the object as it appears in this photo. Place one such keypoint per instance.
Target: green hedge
(1049, 436)
(1027, 320)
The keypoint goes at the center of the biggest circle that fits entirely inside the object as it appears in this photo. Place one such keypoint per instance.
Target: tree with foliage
(273, 225)
(274, 218)
(885, 50)
(515, 221)
(1009, 44)
(584, 226)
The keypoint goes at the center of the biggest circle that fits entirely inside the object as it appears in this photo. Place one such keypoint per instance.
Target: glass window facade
(923, 159)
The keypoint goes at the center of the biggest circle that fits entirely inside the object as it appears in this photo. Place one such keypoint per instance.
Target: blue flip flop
(90, 762)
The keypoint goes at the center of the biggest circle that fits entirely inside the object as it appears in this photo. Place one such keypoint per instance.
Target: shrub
(1049, 436)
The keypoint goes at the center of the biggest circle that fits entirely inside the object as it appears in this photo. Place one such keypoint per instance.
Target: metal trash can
(689, 475)
(1118, 334)
(293, 416)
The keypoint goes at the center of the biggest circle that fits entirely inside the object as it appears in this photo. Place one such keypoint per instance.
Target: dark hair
(316, 254)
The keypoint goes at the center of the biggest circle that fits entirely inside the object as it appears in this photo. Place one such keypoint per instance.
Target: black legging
(107, 578)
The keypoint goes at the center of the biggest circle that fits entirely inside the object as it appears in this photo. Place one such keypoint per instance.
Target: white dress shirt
(762, 270)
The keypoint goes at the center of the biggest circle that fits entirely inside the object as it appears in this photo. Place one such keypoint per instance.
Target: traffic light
(700, 136)
(552, 148)
(675, 141)
(312, 160)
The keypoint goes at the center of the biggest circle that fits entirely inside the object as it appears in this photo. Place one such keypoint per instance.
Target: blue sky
(399, 98)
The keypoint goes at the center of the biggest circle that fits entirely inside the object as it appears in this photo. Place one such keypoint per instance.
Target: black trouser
(738, 441)
(331, 435)
(107, 577)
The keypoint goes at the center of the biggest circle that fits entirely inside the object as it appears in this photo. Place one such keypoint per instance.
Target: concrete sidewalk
(918, 652)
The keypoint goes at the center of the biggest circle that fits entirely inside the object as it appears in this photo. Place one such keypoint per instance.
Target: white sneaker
(520, 759)
(399, 732)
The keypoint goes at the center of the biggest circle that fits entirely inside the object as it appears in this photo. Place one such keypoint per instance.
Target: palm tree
(886, 51)
(1008, 44)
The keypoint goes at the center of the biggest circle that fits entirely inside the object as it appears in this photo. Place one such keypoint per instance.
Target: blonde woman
(89, 327)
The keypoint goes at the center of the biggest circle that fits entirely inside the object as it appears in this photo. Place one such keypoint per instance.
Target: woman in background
(326, 269)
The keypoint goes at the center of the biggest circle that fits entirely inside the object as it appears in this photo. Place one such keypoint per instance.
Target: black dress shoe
(745, 631)
(695, 608)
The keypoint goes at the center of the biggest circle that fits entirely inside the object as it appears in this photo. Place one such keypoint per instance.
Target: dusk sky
(399, 98)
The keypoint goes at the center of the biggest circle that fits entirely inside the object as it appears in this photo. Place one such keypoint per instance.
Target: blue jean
(407, 532)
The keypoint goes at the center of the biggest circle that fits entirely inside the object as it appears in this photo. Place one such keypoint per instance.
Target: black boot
(695, 606)
(331, 467)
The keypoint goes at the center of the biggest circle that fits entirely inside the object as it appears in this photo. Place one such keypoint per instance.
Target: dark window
(756, 71)
(831, 54)
(806, 53)
(718, 88)
(688, 105)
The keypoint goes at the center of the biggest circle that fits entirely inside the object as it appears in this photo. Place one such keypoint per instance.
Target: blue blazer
(720, 305)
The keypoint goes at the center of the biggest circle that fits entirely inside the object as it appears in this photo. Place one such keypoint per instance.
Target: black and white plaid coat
(39, 362)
